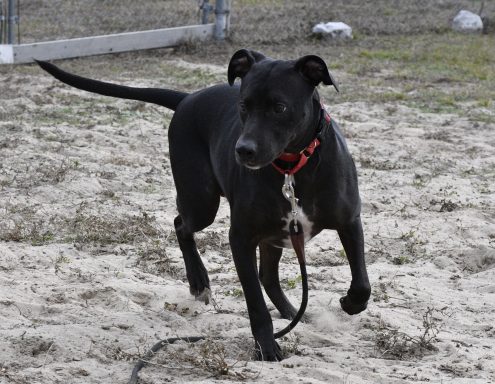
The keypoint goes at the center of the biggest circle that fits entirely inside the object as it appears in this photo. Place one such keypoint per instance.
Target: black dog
(223, 142)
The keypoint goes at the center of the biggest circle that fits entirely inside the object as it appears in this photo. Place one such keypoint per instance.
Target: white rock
(335, 29)
(466, 21)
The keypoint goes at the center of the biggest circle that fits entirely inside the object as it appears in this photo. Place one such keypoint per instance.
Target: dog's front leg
(358, 294)
(244, 254)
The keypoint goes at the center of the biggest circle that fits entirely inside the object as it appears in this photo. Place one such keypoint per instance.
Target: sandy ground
(91, 274)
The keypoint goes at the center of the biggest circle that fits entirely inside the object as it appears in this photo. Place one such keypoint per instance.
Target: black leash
(297, 239)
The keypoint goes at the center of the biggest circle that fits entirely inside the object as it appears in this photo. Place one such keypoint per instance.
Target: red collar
(302, 157)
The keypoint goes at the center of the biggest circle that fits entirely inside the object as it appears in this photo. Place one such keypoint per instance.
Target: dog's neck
(289, 163)
(303, 140)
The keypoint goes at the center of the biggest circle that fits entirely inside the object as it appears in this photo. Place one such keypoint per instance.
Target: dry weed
(153, 258)
(391, 343)
(206, 356)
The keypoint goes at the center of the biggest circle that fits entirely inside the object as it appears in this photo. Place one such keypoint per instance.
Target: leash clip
(290, 196)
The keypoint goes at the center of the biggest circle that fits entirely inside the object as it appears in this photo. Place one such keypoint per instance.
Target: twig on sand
(47, 353)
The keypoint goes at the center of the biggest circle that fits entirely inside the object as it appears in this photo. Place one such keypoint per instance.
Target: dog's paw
(204, 295)
(271, 352)
(352, 308)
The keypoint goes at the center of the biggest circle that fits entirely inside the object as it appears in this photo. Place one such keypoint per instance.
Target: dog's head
(276, 103)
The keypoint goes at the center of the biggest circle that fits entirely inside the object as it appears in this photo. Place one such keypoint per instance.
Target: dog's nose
(246, 150)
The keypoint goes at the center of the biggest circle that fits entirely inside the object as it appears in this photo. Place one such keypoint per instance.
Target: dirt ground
(91, 274)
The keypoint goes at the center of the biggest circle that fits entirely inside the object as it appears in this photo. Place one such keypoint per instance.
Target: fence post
(221, 19)
(205, 8)
(2, 20)
(12, 20)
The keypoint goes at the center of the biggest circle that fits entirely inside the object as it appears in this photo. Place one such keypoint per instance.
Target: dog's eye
(242, 107)
(280, 108)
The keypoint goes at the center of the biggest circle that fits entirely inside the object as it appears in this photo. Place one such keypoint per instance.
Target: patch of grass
(373, 163)
(191, 78)
(431, 72)
(119, 354)
(291, 344)
(439, 135)
(86, 228)
(448, 206)
(209, 356)
(43, 238)
(61, 259)
(391, 343)
(153, 258)
(400, 260)
(212, 358)
(26, 224)
(386, 97)
(385, 54)
(413, 244)
(65, 114)
(56, 173)
(408, 235)
(482, 117)
(292, 283)
(472, 60)
(212, 240)
(421, 181)
(448, 57)
(485, 103)
(235, 292)
(381, 294)
(26, 227)
(42, 171)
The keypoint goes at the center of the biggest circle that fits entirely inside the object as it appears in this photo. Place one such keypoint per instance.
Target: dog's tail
(164, 97)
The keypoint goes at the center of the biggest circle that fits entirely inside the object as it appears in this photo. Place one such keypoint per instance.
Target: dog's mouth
(254, 167)
(254, 164)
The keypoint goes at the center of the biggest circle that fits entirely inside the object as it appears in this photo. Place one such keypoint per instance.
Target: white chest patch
(306, 224)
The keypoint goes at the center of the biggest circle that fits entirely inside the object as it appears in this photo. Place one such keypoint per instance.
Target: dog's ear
(241, 63)
(314, 70)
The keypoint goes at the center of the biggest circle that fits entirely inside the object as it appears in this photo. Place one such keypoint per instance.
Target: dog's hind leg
(269, 260)
(196, 212)
(198, 198)
(358, 294)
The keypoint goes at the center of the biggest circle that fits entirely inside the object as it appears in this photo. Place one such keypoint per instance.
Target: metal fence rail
(74, 28)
